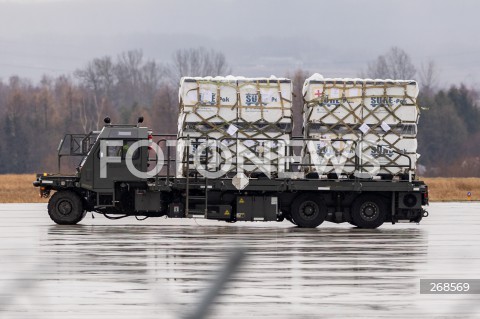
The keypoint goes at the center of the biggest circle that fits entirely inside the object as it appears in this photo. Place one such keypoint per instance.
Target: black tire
(369, 211)
(66, 208)
(308, 211)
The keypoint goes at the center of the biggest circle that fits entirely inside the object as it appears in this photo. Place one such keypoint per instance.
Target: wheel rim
(64, 207)
(369, 211)
(309, 210)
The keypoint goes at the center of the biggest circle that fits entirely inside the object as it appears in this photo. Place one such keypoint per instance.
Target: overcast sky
(334, 37)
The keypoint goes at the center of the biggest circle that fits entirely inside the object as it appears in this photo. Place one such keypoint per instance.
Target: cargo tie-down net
(250, 117)
(373, 119)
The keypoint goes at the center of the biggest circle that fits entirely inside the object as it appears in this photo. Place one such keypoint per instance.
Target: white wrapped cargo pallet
(392, 149)
(330, 153)
(358, 101)
(241, 150)
(207, 99)
(252, 110)
(389, 101)
(381, 147)
(265, 100)
(367, 113)
(328, 101)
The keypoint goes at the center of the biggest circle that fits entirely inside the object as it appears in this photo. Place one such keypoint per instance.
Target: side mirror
(107, 120)
(140, 120)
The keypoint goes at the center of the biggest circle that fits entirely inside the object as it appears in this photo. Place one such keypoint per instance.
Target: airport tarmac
(160, 268)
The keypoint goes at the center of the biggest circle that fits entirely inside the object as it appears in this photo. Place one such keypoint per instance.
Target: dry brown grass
(453, 189)
(19, 189)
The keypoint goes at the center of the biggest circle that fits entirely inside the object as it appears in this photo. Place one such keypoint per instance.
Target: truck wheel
(308, 211)
(65, 208)
(368, 211)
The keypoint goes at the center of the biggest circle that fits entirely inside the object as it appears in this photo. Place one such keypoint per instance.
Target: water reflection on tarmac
(159, 268)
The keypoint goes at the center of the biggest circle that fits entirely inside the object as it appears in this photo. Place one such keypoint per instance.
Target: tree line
(35, 116)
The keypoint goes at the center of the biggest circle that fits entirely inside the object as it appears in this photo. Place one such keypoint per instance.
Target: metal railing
(74, 145)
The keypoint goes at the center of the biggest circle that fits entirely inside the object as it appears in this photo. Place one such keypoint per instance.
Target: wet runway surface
(159, 268)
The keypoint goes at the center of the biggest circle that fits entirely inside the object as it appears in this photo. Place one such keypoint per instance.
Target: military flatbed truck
(305, 201)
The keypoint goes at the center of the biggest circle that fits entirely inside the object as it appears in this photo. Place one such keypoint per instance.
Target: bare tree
(14, 125)
(105, 70)
(64, 93)
(395, 64)
(128, 70)
(428, 75)
(198, 62)
(45, 98)
(98, 76)
(165, 108)
(128, 67)
(151, 78)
